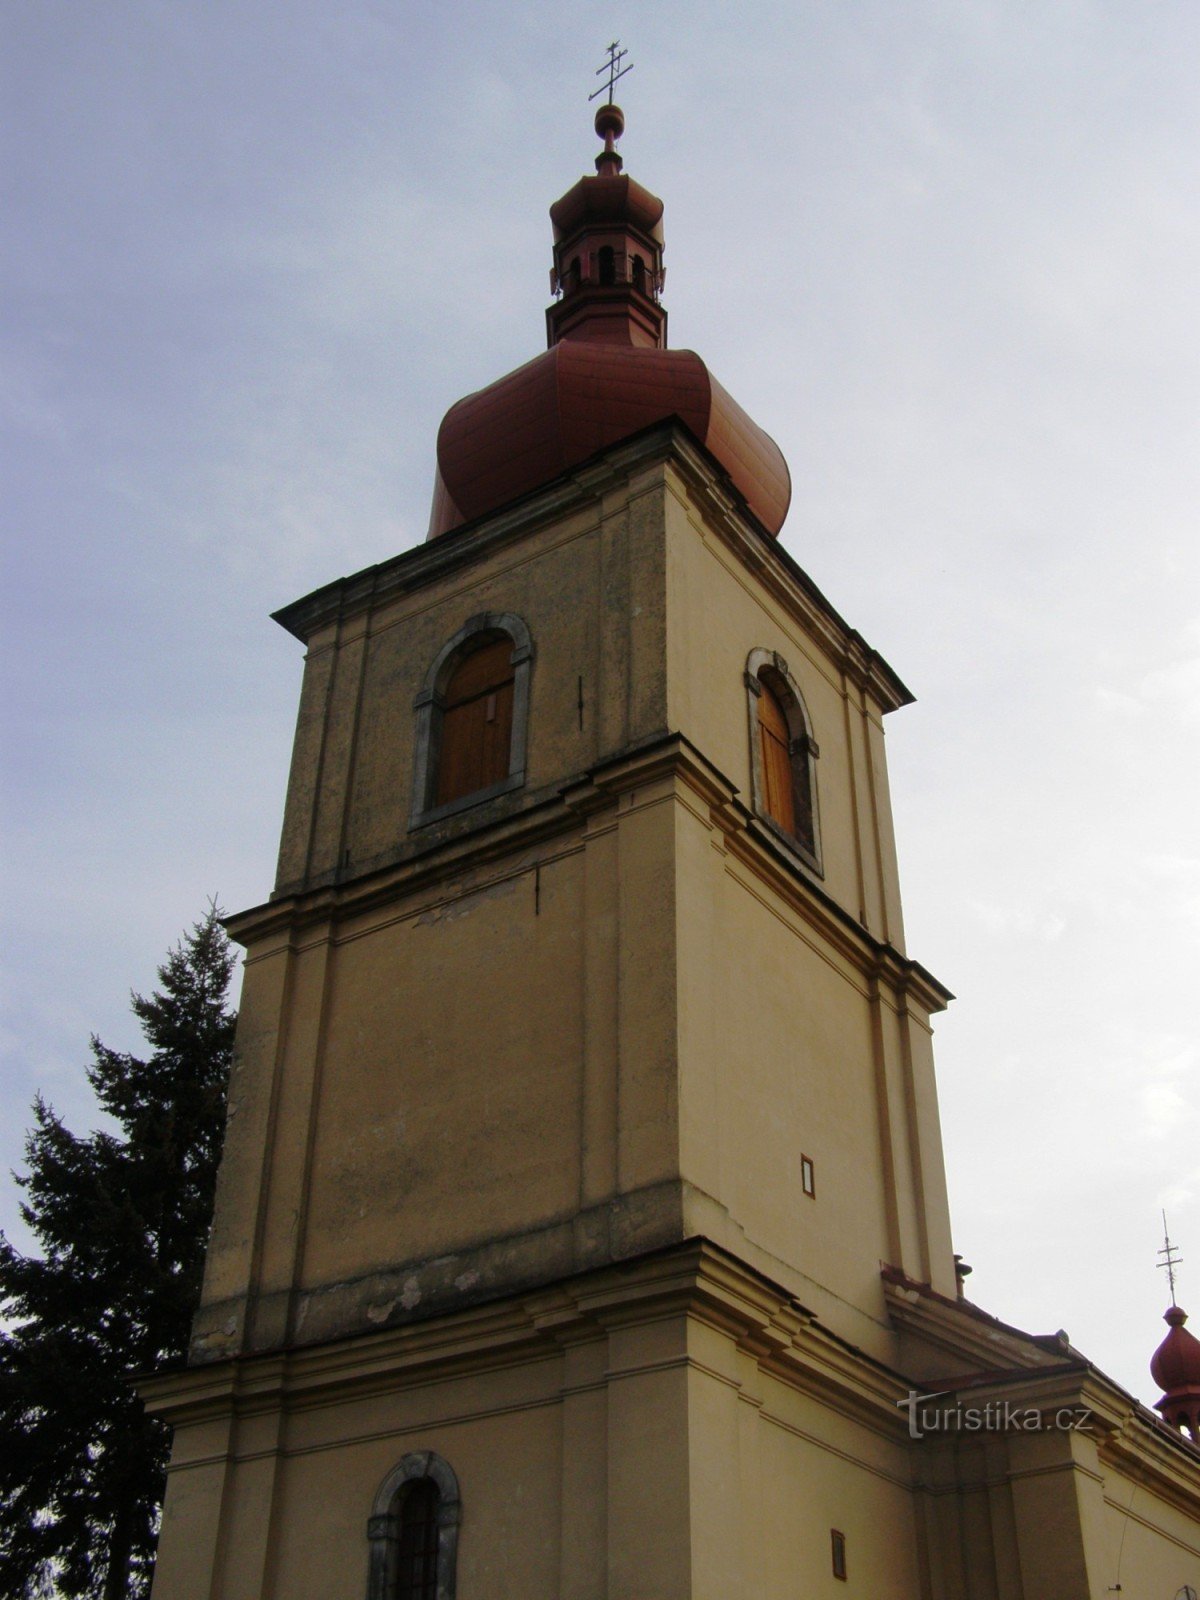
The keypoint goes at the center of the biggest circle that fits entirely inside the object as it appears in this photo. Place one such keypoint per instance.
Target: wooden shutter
(778, 797)
(477, 711)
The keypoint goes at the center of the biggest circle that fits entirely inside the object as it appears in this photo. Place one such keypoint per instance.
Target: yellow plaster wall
(506, 1047)
(773, 1470)
(717, 612)
(1149, 1547)
(651, 1459)
(787, 1047)
(590, 588)
(1050, 1515)
(446, 1096)
(666, 1430)
(1135, 1536)
(777, 1061)
(787, 1050)
(572, 1468)
(435, 1129)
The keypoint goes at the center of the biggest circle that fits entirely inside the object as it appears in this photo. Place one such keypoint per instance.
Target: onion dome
(607, 374)
(1175, 1368)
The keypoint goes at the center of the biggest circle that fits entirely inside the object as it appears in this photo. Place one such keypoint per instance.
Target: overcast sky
(946, 252)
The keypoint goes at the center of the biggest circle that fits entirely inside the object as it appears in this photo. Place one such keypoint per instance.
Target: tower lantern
(608, 254)
(607, 373)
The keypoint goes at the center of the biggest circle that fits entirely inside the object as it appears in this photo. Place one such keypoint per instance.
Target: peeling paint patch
(411, 1295)
(381, 1313)
(466, 1280)
(217, 1339)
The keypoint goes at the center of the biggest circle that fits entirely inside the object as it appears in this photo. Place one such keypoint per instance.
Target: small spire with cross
(610, 119)
(1170, 1258)
(613, 68)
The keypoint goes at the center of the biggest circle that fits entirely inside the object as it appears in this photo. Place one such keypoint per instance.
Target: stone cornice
(695, 1279)
(698, 1280)
(727, 513)
(1049, 1373)
(1142, 1447)
(488, 853)
(963, 1330)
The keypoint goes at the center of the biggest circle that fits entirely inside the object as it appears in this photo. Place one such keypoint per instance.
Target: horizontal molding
(486, 853)
(725, 510)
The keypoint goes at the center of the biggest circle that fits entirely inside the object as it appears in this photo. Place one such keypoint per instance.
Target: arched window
(783, 755)
(413, 1531)
(606, 262)
(639, 274)
(477, 710)
(472, 718)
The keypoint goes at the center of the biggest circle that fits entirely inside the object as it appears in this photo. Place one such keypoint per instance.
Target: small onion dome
(607, 202)
(578, 398)
(1175, 1368)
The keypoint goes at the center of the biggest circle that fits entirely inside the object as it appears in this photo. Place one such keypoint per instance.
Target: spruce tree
(122, 1220)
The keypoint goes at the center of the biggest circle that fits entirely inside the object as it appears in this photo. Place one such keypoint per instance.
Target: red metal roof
(1175, 1365)
(578, 398)
(607, 374)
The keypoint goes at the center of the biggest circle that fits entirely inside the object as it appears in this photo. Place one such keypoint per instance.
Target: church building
(582, 1229)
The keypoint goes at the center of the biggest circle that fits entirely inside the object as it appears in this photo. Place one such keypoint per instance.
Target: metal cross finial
(614, 69)
(1171, 1257)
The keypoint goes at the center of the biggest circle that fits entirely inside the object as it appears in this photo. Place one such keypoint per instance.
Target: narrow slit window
(837, 1543)
(808, 1181)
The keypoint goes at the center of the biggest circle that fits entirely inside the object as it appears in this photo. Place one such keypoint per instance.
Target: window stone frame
(429, 705)
(383, 1525)
(801, 744)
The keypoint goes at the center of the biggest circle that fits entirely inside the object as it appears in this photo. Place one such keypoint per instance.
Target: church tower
(582, 1201)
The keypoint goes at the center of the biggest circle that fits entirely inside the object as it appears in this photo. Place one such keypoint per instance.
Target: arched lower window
(783, 755)
(472, 718)
(413, 1531)
(606, 264)
(639, 274)
(417, 1542)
